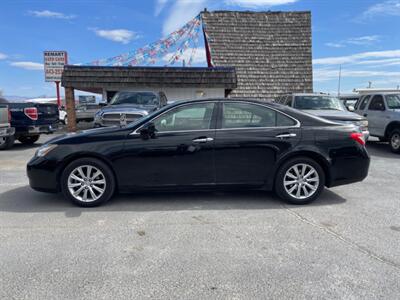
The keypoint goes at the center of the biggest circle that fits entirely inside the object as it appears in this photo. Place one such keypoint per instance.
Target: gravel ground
(201, 245)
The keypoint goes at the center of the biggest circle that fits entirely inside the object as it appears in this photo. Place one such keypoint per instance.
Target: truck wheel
(28, 139)
(87, 182)
(394, 141)
(6, 142)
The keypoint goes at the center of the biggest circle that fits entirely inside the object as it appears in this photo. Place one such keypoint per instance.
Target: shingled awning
(271, 51)
(95, 78)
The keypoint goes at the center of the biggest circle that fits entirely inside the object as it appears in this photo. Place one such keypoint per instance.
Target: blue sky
(361, 35)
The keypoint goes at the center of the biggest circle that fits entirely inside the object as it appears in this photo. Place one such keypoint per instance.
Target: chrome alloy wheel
(86, 183)
(301, 181)
(395, 141)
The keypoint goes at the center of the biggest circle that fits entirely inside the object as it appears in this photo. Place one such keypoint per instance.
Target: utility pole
(340, 79)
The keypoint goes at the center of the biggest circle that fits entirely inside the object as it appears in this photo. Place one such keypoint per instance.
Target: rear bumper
(350, 168)
(6, 132)
(37, 129)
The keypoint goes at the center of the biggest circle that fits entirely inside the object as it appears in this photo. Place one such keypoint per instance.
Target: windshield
(139, 98)
(393, 101)
(318, 103)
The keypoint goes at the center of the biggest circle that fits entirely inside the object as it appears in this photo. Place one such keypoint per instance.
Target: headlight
(44, 150)
(364, 123)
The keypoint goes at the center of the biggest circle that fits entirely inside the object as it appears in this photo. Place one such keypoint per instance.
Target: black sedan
(204, 144)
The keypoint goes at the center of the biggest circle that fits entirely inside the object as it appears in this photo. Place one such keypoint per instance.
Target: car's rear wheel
(28, 139)
(395, 141)
(88, 182)
(300, 181)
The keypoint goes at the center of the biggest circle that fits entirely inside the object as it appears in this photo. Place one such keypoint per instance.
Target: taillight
(9, 116)
(31, 113)
(358, 137)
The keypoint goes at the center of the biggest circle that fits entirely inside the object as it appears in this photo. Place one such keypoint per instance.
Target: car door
(376, 116)
(248, 141)
(181, 152)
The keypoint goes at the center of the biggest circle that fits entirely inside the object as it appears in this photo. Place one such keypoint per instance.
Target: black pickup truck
(30, 120)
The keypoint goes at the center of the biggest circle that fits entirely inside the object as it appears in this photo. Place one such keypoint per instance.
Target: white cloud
(355, 58)
(391, 8)
(258, 3)
(123, 36)
(331, 74)
(198, 58)
(335, 45)
(160, 5)
(50, 14)
(3, 56)
(366, 40)
(181, 12)
(27, 65)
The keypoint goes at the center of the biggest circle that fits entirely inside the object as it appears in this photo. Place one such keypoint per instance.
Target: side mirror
(148, 131)
(351, 108)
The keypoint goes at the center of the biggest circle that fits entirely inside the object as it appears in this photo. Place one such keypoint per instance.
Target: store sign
(54, 62)
(87, 99)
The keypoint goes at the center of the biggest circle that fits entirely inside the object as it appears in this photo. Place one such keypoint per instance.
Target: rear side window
(377, 103)
(242, 115)
(393, 101)
(245, 115)
(284, 121)
(364, 102)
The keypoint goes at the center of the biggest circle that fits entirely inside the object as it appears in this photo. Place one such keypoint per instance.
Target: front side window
(246, 115)
(186, 118)
(364, 102)
(377, 103)
(393, 101)
(318, 103)
(138, 98)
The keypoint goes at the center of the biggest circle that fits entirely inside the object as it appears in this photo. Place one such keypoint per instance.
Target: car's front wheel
(395, 141)
(300, 181)
(88, 182)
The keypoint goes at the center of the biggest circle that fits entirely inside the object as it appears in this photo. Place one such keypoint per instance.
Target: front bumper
(42, 175)
(6, 132)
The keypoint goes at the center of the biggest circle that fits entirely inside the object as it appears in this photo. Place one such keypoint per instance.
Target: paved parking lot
(201, 245)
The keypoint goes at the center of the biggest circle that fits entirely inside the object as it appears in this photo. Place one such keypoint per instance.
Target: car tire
(28, 139)
(7, 142)
(303, 186)
(394, 141)
(96, 193)
(65, 121)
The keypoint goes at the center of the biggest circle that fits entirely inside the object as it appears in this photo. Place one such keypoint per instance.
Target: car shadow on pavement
(380, 149)
(23, 199)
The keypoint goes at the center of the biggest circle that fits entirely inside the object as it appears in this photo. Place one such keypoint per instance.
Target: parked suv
(128, 106)
(327, 107)
(383, 113)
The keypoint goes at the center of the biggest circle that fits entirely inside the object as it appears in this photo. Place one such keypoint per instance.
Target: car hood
(128, 108)
(336, 115)
(64, 137)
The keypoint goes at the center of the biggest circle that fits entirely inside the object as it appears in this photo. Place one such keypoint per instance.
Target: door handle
(365, 115)
(286, 135)
(203, 140)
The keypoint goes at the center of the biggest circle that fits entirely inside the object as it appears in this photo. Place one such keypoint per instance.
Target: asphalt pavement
(201, 245)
